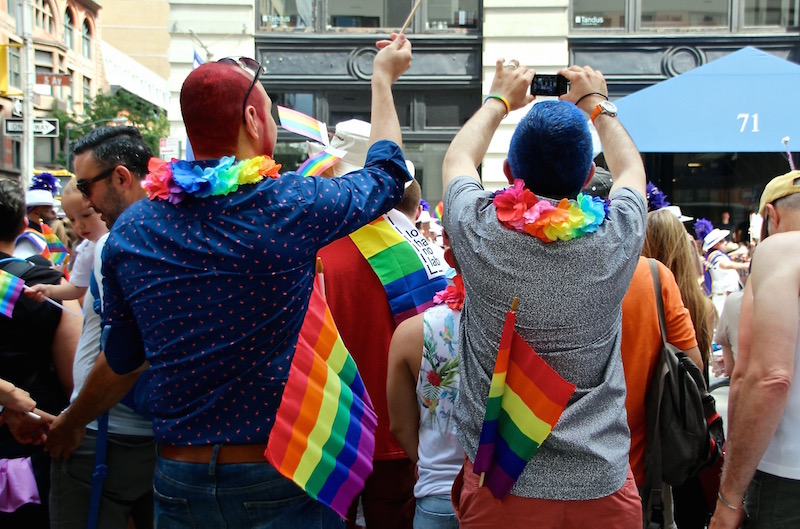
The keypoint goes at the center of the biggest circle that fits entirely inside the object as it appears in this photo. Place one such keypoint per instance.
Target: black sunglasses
(251, 66)
(84, 185)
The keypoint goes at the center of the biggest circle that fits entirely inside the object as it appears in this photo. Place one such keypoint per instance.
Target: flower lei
(453, 295)
(520, 210)
(177, 179)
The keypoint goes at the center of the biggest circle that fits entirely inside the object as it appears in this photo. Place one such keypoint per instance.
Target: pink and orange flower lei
(521, 210)
(177, 179)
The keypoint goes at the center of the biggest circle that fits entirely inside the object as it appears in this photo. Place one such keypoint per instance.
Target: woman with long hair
(668, 241)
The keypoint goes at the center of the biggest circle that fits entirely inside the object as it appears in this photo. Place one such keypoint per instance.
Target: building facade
(66, 41)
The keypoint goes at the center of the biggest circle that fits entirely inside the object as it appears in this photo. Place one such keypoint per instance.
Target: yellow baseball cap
(779, 187)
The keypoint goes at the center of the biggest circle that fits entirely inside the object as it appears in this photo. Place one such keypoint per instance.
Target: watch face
(609, 107)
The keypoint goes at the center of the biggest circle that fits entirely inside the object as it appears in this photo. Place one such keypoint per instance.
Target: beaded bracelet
(589, 94)
(725, 503)
(501, 98)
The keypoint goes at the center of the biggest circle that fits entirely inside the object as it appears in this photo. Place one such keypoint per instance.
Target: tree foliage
(151, 121)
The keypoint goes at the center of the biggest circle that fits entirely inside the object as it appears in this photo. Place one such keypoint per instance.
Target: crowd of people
(155, 407)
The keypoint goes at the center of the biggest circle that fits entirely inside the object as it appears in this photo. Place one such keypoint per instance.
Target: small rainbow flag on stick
(526, 399)
(10, 288)
(299, 123)
(438, 211)
(323, 438)
(317, 164)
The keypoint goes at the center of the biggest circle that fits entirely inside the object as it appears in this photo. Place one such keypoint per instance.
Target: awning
(743, 102)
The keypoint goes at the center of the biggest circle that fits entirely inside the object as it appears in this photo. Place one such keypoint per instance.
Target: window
(342, 15)
(682, 15)
(69, 28)
(43, 15)
(87, 93)
(13, 8)
(86, 40)
(14, 67)
(770, 13)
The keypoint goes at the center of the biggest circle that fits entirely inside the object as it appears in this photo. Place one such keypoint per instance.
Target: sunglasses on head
(251, 66)
(84, 185)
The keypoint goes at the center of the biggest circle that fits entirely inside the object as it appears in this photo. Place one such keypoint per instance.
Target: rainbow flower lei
(177, 179)
(521, 210)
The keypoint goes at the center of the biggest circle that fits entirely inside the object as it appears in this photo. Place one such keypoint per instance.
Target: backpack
(684, 430)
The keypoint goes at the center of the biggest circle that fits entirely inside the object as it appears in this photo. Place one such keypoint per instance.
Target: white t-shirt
(82, 268)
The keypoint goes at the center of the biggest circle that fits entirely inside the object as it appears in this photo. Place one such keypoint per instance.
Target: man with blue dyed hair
(569, 258)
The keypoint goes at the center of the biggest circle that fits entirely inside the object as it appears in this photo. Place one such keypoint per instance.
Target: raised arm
(392, 60)
(468, 148)
(624, 161)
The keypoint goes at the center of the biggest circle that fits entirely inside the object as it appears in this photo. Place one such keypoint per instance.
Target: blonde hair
(666, 240)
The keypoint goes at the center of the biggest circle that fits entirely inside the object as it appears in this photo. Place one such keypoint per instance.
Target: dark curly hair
(12, 209)
(113, 146)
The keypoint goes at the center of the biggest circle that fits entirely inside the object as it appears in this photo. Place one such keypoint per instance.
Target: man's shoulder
(780, 248)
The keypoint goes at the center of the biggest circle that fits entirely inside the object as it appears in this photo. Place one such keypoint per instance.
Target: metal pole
(69, 147)
(26, 164)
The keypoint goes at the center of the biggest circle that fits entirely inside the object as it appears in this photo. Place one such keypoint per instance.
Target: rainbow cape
(10, 288)
(304, 125)
(59, 255)
(526, 399)
(317, 164)
(396, 251)
(323, 438)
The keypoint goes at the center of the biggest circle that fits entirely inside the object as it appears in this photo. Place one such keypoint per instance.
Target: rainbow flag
(317, 164)
(323, 438)
(526, 399)
(59, 255)
(299, 123)
(409, 281)
(438, 211)
(10, 288)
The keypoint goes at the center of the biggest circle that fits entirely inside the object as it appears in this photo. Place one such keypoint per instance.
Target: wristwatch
(605, 107)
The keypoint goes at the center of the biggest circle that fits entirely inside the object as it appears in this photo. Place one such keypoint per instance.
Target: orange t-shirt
(641, 346)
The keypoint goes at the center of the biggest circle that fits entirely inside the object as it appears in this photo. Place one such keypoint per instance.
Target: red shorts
(477, 507)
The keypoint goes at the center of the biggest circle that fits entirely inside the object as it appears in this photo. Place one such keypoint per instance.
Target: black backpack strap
(16, 266)
(653, 503)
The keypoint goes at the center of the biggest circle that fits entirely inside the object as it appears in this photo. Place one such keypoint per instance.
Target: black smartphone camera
(549, 85)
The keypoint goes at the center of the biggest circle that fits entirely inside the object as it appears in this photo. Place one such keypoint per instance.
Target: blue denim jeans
(248, 495)
(772, 502)
(435, 512)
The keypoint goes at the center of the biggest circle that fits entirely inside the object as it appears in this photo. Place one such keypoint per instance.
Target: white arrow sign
(41, 127)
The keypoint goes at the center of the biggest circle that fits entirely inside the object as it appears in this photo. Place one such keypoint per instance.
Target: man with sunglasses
(761, 477)
(206, 286)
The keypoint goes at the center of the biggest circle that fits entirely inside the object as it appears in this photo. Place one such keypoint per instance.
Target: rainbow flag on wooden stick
(526, 399)
(304, 125)
(323, 438)
(10, 288)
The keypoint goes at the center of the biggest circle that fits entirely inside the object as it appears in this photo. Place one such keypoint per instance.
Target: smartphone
(549, 85)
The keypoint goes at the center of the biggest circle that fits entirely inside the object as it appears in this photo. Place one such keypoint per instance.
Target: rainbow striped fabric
(10, 288)
(317, 164)
(438, 211)
(323, 438)
(304, 125)
(36, 239)
(58, 252)
(408, 279)
(526, 399)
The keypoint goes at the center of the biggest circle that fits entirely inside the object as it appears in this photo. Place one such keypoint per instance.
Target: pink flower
(453, 295)
(158, 181)
(512, 204)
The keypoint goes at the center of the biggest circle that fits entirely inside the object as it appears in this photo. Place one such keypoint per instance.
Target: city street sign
(53, 79)
(43, 128)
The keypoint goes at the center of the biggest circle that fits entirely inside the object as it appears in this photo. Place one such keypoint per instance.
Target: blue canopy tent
(743, 102)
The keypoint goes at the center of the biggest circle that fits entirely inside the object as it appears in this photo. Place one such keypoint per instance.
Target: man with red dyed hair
(206, 286)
